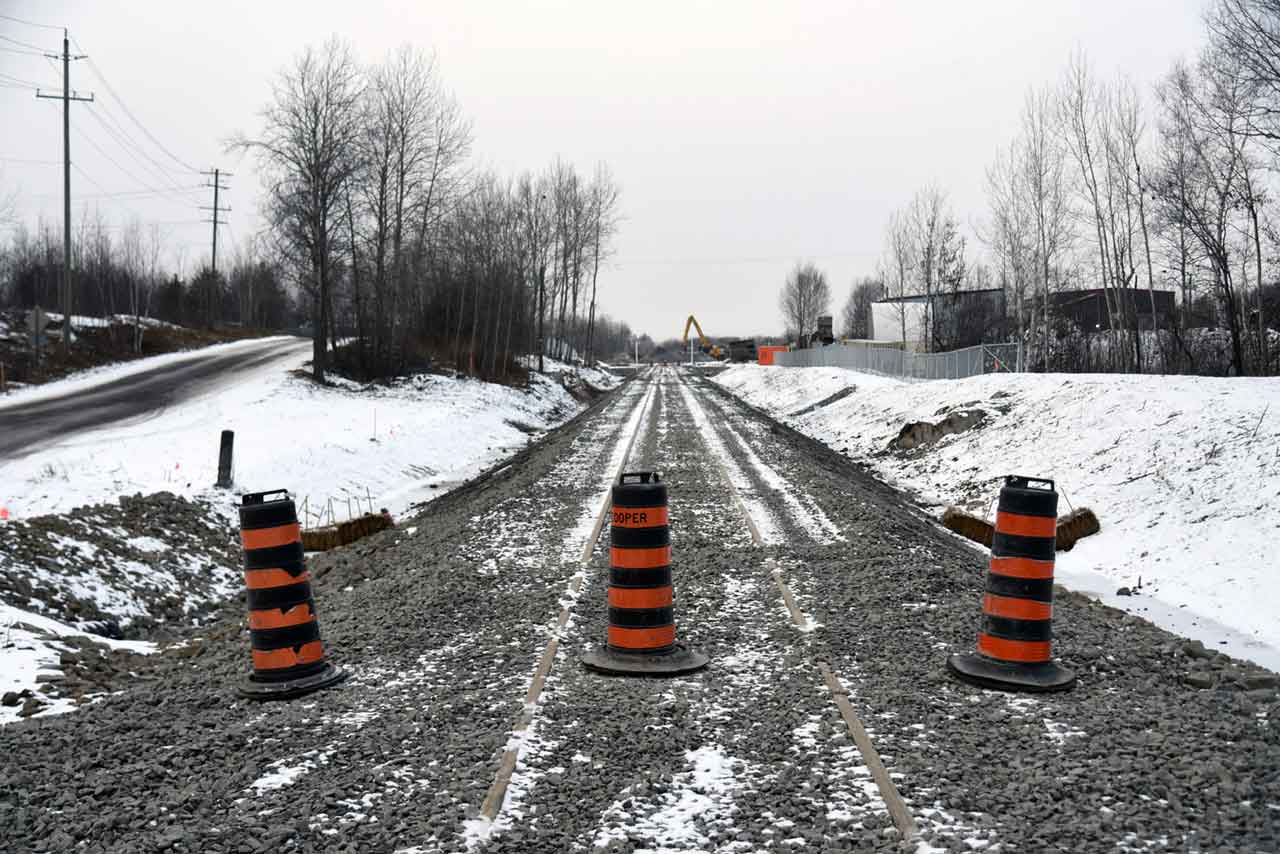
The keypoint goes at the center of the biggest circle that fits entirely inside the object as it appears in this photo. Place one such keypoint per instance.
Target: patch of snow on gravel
(760, 510)
(702, 795)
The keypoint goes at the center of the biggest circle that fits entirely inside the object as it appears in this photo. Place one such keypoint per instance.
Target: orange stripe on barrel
(1021, 567)
(640, 597)
(278, 659)
(269, 538)
(640, 558)
(264, 579)
(1025, 652)
(1026, 526)
(655, 638)
(1016, 609)
(639, 517)
(274, 618)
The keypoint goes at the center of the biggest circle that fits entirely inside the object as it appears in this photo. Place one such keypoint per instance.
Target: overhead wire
(132, 148)
(175, 195)
(20, 51)
(30, 23)
(97, 72)
(13, 79)
(21, 44)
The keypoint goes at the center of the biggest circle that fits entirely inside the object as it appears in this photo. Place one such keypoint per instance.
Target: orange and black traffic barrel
(642, 628)
(288, 654)
(1015, 643)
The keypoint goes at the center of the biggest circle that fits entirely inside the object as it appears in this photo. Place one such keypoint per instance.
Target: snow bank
(393, 444)
(1183, 472)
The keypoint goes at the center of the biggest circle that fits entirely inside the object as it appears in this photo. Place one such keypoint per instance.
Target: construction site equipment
(743, 350)
(288, 655)
(642, 629)
(824, 334)
(1014, 644)
(704, 345)
(766, 352)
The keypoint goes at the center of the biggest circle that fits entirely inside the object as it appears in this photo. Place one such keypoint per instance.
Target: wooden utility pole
(67, 97)
(217, 175)
(211, 290)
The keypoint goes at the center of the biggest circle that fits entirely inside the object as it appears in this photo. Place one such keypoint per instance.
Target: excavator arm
(703, 344)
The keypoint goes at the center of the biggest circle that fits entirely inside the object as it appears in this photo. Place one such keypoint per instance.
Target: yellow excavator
(703, 344)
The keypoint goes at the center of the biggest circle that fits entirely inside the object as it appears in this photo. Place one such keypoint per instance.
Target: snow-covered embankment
(1183, 472)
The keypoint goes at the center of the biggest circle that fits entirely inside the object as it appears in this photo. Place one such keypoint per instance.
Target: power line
(30, 23)
(34, 47)
(102, 79)
(133, 150)
(20, 51)
(173, 194)
(22, 80)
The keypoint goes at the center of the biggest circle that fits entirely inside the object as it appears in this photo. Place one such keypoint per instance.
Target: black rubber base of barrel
(287, 690)
(678, 661)
(1011, 676)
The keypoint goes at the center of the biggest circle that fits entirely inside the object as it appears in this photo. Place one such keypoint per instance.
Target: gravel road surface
(442, 621)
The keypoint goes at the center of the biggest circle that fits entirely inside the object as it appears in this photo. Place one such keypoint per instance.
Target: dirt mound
(918, 434)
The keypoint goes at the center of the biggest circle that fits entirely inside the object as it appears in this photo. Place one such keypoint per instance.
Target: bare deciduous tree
(805, 297)
(855, 316)
(309, 152)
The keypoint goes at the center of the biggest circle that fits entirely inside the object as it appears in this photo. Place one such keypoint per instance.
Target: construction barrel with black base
(1015, 643)
(288, 655)
(642, 629)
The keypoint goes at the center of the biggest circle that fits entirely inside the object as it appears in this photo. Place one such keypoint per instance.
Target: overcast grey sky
(745, 136)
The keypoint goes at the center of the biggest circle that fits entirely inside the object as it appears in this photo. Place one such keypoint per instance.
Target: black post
(224, 460)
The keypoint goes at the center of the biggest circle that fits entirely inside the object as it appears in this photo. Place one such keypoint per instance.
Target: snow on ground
(343, 446)
(30, 646)
(1183, 472)
(394, 445)
(91, 377)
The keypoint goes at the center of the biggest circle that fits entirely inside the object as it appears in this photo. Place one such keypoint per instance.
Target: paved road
(25, 427)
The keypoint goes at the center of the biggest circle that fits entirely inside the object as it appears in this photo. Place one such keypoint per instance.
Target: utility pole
(67, 97)
(217, 175)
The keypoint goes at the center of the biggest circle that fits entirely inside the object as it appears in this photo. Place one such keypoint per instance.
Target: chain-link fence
(890, 361)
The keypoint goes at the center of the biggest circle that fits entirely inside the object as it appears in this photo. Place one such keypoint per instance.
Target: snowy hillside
(1183, 472)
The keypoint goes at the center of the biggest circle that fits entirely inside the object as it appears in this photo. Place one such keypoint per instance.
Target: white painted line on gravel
(894, 802)
(481, 828)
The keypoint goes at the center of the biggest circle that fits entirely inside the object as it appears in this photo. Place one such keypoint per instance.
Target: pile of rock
(127, 569)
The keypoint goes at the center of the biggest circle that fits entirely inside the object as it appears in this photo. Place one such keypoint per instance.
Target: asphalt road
(26, 427)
